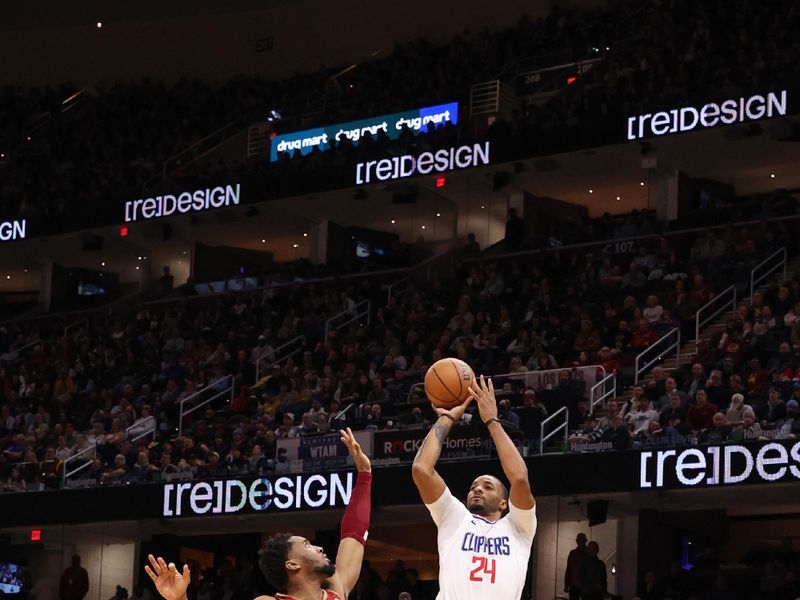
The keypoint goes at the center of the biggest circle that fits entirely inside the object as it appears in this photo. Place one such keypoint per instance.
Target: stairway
(688, 349)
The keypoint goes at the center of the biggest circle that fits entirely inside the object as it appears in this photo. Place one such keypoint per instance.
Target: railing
(142, 429)
(228, 381)
(85, 452)
(75, 324)
(658, 349)
(721, 300)
(565, 426)
(15, 353)
(281, 353)
(359, 311)
(390, 289)
(755, 280)
(602, 390)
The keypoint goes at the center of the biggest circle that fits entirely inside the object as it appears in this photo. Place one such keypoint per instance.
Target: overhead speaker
(597, 511)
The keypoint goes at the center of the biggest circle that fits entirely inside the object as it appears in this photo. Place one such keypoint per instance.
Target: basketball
(447, 382)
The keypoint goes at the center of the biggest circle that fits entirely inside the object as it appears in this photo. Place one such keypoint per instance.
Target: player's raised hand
(169, 582)
(361, 459)
(483, 394)
(456, 412)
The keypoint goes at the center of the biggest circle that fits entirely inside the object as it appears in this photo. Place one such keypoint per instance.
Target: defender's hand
(484, 396)
(361, 459)
(169, 582)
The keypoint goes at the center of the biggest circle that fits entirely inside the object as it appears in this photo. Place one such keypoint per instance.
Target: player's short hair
(272, 560)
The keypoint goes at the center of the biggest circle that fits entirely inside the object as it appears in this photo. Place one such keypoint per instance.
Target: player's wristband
(491, 420)
(451, 417)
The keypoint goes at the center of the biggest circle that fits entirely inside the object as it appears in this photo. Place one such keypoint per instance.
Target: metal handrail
(565, 426)
(66, 474)
(16, 351)
(605, 392)
(754, 281)
(138, 432)
(75, 324)
(699, 322)
(278, 355)
(391, 287)
(357, 311)
(655, 346)
(183, 413)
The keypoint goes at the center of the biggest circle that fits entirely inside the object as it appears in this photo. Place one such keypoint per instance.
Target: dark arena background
(230, 229)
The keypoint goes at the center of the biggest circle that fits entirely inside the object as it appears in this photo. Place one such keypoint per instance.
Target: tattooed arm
(429, 483)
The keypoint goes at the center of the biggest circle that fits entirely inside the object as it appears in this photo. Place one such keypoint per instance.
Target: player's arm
(430, 484)
(514, 467)
(354, 523)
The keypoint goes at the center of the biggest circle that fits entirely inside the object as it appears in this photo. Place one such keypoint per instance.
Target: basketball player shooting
(292, 563)
(484, 547)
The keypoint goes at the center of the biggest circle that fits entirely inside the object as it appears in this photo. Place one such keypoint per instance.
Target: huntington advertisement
(321, 138)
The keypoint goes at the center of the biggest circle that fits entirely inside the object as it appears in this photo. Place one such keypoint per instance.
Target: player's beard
(477, 508)
(326, 570)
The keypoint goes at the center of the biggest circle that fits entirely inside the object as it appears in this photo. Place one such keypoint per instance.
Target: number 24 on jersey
(485, 569)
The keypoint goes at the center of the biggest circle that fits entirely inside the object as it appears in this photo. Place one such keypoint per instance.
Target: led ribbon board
(322, 138)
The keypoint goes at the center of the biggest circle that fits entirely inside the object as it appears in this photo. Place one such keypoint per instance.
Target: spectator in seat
(700, 414)
(507, 415)
(143, 469)
(643, 336)
(674, 415)
(653, 311)
(375, 418)
(588, 338)
(618, 434)
(308, 426)
(716, 391)
(718, 432)
(379, 394)
(776, 406)
(116, 471)
(634, 280)
(697, 381)
(50, 469)
(790, 425)
(640, 417)
(607, 360)
(670, 387)
(213, 467)
(736, 410)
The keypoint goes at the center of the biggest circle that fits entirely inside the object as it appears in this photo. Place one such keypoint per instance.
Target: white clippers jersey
(478, 559)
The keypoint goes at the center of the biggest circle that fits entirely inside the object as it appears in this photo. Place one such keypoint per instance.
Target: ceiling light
(618, 198)
(482, 206)
(641, 183)
(772, 175)
(438, 214)
(305, 235)
(137, 267)
(8, 276)
(591, 191)
(423, 226)
(103, 264)
(99, 25)
(295, 245)
(263, 241)
(393, 221)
